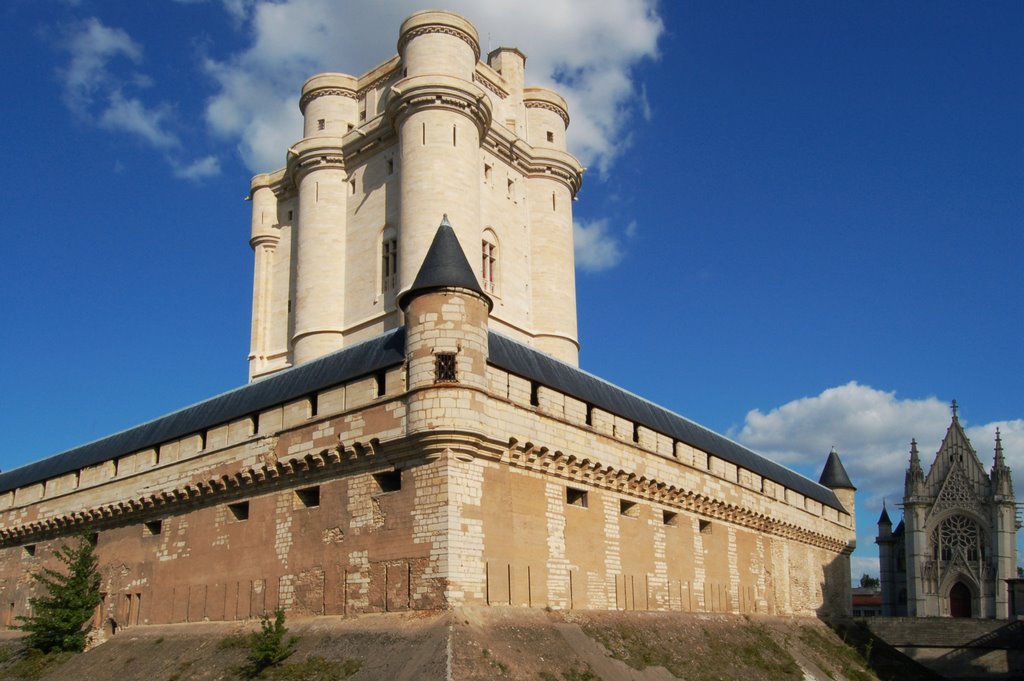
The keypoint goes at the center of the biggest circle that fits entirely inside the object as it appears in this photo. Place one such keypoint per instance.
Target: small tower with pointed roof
(886, 543)
(446, 318)
(834, 476)
(959, 532)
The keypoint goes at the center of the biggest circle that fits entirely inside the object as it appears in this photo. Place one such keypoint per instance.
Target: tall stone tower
(340, 232)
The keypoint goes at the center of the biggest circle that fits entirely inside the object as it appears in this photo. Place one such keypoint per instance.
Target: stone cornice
(536, 104)
(439, 92)
(534, 162)
(269, 239)
(587, 471)
(428, 29)
(489, 85)
(325, 92)
(315, 153)
(274, 473)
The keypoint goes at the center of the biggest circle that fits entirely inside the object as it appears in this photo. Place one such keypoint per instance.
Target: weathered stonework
(438, 472)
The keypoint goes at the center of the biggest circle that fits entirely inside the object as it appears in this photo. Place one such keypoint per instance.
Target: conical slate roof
(834, 475)
(884, 518)
(445, 266)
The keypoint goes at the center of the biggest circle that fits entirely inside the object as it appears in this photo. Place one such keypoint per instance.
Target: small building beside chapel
(954, 554)
(416, 433)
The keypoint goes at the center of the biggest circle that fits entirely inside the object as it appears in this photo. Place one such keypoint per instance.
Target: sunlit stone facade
(419, 435)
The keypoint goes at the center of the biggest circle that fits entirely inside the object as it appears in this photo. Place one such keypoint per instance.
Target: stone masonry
(420, 436)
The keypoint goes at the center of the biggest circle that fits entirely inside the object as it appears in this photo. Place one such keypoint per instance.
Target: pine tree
(60, 617)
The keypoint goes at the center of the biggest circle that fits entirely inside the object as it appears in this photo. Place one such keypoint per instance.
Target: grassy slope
(488, 643)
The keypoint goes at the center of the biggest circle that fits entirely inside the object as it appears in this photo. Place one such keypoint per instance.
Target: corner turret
(834, 476)
(446, 318)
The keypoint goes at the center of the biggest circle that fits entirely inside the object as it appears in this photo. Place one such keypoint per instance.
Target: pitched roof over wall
(524, 361)
(358, 360)
(388, 350)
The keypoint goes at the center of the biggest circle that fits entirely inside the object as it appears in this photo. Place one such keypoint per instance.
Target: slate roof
(445, 266)
(358, 360)
(834, 474)
(388, 350)
(546, 370)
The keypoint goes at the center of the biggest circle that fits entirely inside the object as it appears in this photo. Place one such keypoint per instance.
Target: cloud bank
(588, 55)
(872, 430)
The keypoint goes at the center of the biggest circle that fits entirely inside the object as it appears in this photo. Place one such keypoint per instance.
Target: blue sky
(801, 225)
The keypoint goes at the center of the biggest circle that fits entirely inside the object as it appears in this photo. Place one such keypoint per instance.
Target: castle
(955, 550)
(417, 434)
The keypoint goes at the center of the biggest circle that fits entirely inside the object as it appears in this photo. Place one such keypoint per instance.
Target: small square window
(630, 509)
(239, 510)
(307, 498)
(94, 538)
(445, 368)
(705, 526)
(30, 550)
(551, 136)
(534, 394)
(321, 124)
(152, 528)
(389, 482)
(669, 518)
(576, 497)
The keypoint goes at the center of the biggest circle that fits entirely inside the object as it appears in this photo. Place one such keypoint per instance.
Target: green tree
(60, 618)
(869, 582)
(269, 647)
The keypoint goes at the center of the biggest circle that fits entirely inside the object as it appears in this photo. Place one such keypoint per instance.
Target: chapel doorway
(960, 600)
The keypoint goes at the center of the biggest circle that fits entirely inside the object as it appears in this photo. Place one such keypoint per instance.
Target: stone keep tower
(955, 549)
(340, 232)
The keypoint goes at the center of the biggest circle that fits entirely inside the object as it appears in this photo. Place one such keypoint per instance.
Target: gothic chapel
(955, 549)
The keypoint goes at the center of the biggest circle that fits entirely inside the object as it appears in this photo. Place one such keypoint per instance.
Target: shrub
(269, 647)
(60, 618)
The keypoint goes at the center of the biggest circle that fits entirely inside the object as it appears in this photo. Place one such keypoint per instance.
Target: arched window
(489, 263)
(388, 261)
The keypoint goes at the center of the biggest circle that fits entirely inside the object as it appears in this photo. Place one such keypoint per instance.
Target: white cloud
(208, 166)
(132, 116)
(872, 430)
(99, 89)
(594, 248)
(92, 46)
(586, 54)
